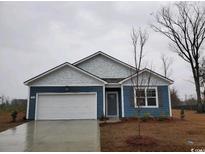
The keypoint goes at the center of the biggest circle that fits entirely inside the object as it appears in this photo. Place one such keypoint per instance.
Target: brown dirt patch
(6, 120)
(141, 140)
(172, 135)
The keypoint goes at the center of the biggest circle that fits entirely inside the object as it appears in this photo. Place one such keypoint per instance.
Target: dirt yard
(6, 120)
(171, 135)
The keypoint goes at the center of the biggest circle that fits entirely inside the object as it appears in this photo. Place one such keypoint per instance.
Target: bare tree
(202, 77)
(139, 39)
(184, 26)
(175, 100)
(166, 64)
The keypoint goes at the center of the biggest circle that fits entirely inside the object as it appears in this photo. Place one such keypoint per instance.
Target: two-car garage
(62, 106)
(64, 93)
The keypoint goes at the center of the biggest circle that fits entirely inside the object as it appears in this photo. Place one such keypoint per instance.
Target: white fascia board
(70, 85)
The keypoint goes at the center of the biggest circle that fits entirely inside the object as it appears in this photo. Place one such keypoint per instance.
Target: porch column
(103, 100)
(122, 101)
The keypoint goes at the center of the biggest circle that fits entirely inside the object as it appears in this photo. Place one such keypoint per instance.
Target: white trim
(60, 66)
(28, 102)
(145, 85)
(112, 85)
(67, 93)
(104, 101)
(117, 104)
(70, 85)
(50, 93)
(146, 103)
(168, 80)
(170, 107)
(108, 56)
(36, 106)
(122, 99)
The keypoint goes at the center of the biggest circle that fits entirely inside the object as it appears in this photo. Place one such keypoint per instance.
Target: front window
(146, 97)
(140, 96)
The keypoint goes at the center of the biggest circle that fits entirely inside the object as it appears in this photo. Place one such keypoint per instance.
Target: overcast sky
(36, 36)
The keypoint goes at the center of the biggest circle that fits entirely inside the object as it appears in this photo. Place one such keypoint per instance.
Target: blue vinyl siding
(131, 111)
(35, 90)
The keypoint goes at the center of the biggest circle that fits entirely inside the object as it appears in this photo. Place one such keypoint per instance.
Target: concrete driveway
(71, 135)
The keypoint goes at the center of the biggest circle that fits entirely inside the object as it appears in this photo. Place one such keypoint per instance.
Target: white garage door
(66, 106)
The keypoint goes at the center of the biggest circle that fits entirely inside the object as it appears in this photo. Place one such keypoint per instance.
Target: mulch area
(6, 120)
(169, 135)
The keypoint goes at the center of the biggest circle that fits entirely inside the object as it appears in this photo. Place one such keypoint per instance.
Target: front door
(112, 104)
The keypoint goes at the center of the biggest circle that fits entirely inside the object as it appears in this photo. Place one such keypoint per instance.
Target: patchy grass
(171, 135)
(6, 120)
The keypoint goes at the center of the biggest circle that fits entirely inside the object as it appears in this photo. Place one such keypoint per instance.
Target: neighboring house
(94, 87)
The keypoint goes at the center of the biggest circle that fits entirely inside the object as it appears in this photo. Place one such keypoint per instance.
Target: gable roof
(58, 67)
(104, 80)
(106, 55)
(150, 71)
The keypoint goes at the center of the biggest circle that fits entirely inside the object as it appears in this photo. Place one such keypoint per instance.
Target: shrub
(102, 118)
(24, 118)
(145, 117)
(204, 107)
(182, 114)
(162, 117)
(124, 119)
(18, 105)
(14, 115)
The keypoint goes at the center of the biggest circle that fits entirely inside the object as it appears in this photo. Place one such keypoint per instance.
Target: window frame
(146, 98)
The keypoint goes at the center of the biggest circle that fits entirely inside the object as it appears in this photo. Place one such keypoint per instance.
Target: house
(94, 87)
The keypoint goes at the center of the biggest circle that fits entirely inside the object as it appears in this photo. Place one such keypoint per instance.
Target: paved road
(70, 135)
